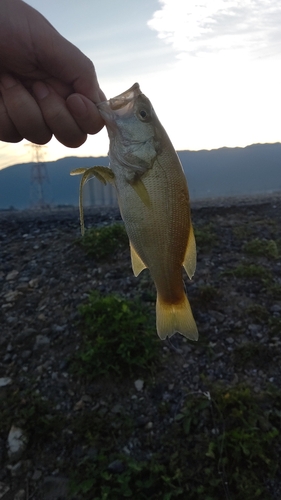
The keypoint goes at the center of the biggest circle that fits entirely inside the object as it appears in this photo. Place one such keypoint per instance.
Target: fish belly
(159, 234)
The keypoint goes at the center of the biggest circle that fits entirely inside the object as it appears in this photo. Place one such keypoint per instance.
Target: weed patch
(262, 247)
(205, 237)
(219, 446)
(119, 337)
(258, 312)
(207, 293)
(104, 241)
(249, 271)
(252, 354)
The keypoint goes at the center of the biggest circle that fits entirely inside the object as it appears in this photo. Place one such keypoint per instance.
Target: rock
(55, 488)
(12, 295)
(116, 467)
(20, 495)
(12, 275)
(36, 475)
(41, 340)
(33, 283)
(117, 408)
(139, 384)
(275, 308)
(15, 469)
(5, 382)
(149, 426)
(4, 488)
(16, 444)
(229, 340)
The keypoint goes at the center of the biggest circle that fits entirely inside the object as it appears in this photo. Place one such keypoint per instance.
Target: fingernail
(8, 81)
(76, 106)
(40, 90)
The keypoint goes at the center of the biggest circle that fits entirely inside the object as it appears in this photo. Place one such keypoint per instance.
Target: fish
(153, 198)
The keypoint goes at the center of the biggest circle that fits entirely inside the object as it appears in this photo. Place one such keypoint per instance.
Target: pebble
(230, 340)
(5, 381)
(16, 444)
(12, 275)
(139, 384)
(36, 475)
(149, 426)
(20, 495)
(54, 488)
(116, 467)
(4, 488)
(41, 340)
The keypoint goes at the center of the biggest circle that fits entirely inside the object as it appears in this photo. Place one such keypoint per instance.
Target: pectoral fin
(137, 263)
(103, 174)
(189, 262)
(141, 191)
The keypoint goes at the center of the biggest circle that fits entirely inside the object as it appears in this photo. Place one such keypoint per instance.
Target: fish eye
(143, 113)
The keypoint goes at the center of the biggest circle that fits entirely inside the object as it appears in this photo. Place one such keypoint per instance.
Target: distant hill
(222, 172)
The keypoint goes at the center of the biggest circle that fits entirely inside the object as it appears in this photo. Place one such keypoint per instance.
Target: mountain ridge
(252, 170)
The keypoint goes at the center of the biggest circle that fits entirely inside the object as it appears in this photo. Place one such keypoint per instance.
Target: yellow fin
(103, 174)
(137, 264)
(141, 191)
(172, 318)
(189, 262)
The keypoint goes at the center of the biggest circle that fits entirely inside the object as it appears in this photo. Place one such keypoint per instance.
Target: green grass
(119, 337)
(258, 312)
(105, 241)
(248, 270)
(224, 445)
(31, 413)
(262, 247)
(252, 354)
(207, 293)
(205, 237)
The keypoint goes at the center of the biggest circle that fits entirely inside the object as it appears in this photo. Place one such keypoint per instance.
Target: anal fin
(137, 264)
(189, 262)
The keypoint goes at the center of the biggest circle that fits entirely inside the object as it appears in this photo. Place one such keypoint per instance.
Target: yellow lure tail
(103, 174)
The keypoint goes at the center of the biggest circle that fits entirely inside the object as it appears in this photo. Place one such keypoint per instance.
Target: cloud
(204, 26)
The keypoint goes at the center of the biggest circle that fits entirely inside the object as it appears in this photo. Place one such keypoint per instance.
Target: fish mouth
(119, 106)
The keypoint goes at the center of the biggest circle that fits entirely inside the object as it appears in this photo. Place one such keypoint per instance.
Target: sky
(212, 69)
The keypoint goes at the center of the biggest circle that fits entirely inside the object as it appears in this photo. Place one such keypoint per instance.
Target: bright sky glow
(210, 68)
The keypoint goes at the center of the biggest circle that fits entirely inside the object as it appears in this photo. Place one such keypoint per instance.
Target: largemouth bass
(153, 198)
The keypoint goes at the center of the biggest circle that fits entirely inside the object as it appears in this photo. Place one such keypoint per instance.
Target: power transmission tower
(39, 176)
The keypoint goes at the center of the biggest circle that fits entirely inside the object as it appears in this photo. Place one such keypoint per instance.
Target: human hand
(47, 85)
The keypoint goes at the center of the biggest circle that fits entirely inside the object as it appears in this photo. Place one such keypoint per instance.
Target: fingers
(20, 115)
(57, 116)
(85, 112)
(48, 111)
(8, 132)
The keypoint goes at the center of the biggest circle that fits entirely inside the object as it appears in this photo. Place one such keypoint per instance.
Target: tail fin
(172, 318)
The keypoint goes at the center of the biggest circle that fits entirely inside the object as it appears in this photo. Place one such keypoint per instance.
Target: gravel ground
(45, 275)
